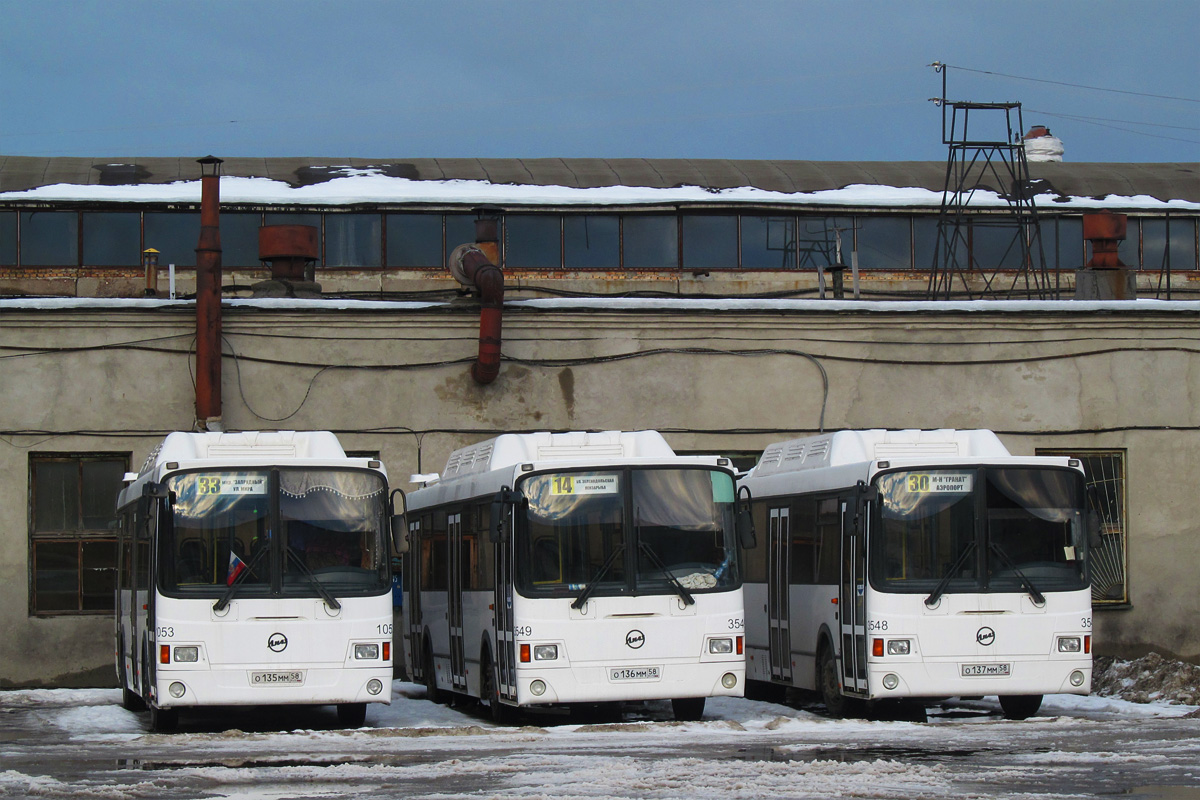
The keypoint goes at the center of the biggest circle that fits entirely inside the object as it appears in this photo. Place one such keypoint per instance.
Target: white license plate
(293, 677)
(634, 673)
(985, 670)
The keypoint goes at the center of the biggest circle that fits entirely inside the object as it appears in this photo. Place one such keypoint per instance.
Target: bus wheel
(352, 715)
(831, 687)
(688, 709)
(501, 714)
(432, 693)
(163, 720)
(1020, 706)
(130, 701)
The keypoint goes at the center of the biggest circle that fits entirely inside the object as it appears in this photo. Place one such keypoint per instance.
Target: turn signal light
(387, 651)
(525, 654)
(739, 645)
(164, 654)
(1087, 643)
(877, 648)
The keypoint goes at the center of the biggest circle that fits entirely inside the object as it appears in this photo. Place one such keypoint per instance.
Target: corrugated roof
(1165, 181)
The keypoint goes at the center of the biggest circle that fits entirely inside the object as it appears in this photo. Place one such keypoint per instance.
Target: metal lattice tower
(993, 161)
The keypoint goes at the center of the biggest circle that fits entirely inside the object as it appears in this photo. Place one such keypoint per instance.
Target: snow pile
(1149, 679)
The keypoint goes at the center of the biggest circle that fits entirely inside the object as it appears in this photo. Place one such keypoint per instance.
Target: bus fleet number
(737, 624)
(385, 629)
(164, 632)
(1086, 623)
(877, 625)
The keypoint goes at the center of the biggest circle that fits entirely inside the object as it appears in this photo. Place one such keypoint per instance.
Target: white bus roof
(245, 446)
(510, 449)
(855, 447)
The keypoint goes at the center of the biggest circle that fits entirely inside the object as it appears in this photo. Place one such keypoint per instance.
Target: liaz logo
(635, 639)
(985, 636)
(277, 642)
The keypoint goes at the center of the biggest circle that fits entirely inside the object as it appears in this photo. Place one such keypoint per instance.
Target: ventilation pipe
(475, 266)
(289, 251)
(1105, 277)
(1041, 145)
(208, 298)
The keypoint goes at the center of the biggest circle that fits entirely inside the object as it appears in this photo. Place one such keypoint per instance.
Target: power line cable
(1077, 85)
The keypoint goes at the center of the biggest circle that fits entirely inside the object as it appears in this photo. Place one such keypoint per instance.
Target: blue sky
(654, 79)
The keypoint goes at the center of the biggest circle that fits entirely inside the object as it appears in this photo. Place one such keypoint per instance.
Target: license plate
(985, 670)
(635, 673)
(293, 677)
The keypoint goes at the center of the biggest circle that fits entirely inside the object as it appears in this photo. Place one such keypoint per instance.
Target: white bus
(254, 568)
(918, 564)
(576, 568)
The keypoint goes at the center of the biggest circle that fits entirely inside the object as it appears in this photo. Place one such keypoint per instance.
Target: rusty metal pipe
(487, 278)
(208, 302)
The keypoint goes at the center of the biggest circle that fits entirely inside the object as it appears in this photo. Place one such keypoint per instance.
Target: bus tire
(352, 715)
(1020, 706)
(829, 684)
(432, 692)
(688, 709)
(163, 720)
(500, 713)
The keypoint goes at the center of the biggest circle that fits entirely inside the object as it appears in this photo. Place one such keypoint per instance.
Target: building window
(1105, 477)
(49, 239)
(239, 239)
(73, 548)
(8, 238)
(710, 242)
(460, 229)
(1157, 254)
(651, 242)
(175, 236)
(768, 242)
(112, 239)
(414, 240)
(353, 240)
(883, 243)
(533, 241)
(591, 241)
(821, 238)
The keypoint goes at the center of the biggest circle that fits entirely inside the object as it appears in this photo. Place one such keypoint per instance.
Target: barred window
(72, 541)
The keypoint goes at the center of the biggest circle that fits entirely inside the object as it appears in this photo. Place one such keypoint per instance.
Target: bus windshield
(627, 531)
(990, 529)
(276, 532)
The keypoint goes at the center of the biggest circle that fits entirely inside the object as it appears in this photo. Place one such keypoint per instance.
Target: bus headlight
(374, 686)
(366, 652)
(1077, 678)
(899, 647)
(545, 652)
(537, 688)
(720, 645)
(177, 689)
(891, 681)
(189, 654)
(1070, 644)
(729, 680)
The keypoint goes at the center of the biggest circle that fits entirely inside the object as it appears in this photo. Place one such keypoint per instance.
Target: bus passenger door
(458, 666)
(852, 603)
(778, 540)
(417, 552)
(502, 604)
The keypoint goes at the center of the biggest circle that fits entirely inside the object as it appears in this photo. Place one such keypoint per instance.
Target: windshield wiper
(936, 595)
(1025, 582)
(237, 582)
(682, 592)
(591, 585)
(329, 599)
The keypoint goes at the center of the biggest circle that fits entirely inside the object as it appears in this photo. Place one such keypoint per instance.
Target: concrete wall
(396, 379)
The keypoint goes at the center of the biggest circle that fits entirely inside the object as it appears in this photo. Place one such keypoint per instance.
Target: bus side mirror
(747, 536)
(399, 522)
(498, 525)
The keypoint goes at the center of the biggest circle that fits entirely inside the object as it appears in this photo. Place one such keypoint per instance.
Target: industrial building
(727, 304)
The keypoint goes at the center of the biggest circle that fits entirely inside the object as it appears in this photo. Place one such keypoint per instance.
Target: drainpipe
(476, 267)
(208, 298)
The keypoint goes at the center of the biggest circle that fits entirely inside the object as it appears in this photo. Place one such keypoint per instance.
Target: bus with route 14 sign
(569, 569)
(901, 565)
(254, 569)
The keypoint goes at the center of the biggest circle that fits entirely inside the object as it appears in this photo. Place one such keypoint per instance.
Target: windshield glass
(681, 518)
(324, 525)
(978, 530)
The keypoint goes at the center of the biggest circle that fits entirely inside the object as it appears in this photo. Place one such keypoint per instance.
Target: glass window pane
(460, 229)
(414, 240)
(651, 242)
(817, 242)
(98, 575)
(285, 218)
(101, 485)
(925, 240)
(56, 493)
(883, 243)
(175, 236)
(56, 576)
(49, 239)
(1069, 243)
(995, 243)
(8, 238)
(353, 240)
(1182, 253)
(709, 242)
(112, 239)
(591, 241)
(239, 240)
(532, 241)
(768, 242)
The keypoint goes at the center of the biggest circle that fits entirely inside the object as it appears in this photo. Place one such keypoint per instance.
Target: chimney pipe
(1104, 277)
(475, 266)
(208, 298)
